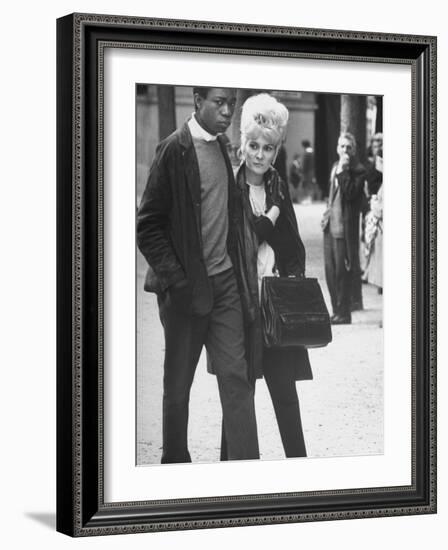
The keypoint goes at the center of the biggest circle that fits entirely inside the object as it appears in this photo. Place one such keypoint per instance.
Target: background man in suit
(341, 226)
(185, 230)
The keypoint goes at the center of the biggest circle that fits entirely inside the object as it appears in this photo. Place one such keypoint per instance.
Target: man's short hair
(350, 137)
(202, 91)
(306, 143)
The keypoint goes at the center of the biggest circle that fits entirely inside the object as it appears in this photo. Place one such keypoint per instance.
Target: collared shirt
(198, 132)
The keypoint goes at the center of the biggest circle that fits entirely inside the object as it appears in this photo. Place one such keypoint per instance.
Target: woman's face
(259, 154)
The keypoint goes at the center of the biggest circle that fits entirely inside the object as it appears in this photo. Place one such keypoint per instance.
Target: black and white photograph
(246, 316)
(135, 362)
(259, 274)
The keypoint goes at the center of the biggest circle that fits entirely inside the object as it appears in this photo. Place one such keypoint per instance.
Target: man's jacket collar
(186, 140)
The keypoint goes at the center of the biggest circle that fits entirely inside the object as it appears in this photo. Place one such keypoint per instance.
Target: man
(341, 227)
(185, 230)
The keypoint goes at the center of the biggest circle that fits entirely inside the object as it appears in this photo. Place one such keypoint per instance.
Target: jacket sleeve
(153, 221)
(351, 182)
(297, 262)
(285, 239)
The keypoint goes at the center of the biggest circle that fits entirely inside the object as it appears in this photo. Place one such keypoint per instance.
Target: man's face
(345, 148)
(215, 112)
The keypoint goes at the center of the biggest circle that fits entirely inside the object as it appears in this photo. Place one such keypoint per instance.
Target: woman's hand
(273, 213)
(274, 195)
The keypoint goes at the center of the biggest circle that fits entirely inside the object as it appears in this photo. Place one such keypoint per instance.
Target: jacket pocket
(180, 299)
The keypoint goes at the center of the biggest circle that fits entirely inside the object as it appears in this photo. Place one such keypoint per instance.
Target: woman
(373, 226)
(268, 244)
(374, 241)
(372, 186)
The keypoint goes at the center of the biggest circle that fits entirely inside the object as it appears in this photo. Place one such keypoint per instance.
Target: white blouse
(265, 256)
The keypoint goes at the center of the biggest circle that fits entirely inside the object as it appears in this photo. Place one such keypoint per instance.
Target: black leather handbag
(294, 313)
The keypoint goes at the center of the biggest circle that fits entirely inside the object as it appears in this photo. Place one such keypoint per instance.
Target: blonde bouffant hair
(263, 115)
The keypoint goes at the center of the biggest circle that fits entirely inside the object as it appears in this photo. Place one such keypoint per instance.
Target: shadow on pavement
(48, 519)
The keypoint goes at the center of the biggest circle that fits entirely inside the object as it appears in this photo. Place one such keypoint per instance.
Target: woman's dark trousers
(280, 379)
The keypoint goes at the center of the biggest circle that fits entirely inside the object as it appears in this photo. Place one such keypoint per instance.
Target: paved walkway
(342, 407)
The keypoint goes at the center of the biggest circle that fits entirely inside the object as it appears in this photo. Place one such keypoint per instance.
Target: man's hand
(179, 296)
(179, 285)
(344, 162)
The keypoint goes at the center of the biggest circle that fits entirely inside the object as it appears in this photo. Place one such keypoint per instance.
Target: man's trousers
(337, 275)
(221, 332)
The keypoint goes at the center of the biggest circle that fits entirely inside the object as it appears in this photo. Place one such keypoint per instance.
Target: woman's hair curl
(262, 115)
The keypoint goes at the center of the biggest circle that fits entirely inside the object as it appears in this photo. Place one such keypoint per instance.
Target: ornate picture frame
(81, 506)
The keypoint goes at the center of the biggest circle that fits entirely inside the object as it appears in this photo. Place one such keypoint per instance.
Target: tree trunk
(167, 110)
(326, 129)
(235, 140)
(353, 120)
(379, 114)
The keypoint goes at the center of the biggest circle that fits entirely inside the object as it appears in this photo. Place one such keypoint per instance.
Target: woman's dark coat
(289, 252)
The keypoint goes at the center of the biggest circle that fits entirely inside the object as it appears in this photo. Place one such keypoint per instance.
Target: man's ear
(197, 101)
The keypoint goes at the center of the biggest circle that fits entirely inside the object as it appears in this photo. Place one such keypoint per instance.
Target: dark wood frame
(81, 510)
